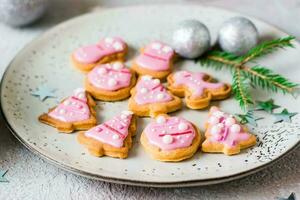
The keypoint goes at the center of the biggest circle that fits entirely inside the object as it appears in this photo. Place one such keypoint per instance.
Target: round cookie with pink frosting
(197, 88)
(107, 50)
(112, 138)
(170, 139)
(156, 60)
(224, 134)
(75, 112)
(150, 97)
(110, 82)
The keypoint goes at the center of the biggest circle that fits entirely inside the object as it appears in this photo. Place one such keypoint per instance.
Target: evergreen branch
(269, 80)
(267, 47)
(240, 89)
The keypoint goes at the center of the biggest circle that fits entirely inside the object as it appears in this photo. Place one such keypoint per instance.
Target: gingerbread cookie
(110, 82)
(73, 113)
(150, 98)
(197, 88)
(225, 135)
(107, 50)
(155, 60)
(171, 138)
(112, 138)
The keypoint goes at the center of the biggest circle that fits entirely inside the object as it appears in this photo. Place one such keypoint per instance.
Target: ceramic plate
(46, 61)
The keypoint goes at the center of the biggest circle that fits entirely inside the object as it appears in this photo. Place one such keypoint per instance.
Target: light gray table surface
(30, 177)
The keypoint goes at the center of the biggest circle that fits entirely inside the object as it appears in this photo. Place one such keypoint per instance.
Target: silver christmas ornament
(21, 12)
(238, 35)
(191, 38)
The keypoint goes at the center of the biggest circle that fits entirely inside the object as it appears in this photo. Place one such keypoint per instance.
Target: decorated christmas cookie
(73, 113)
(156, 60)
(110, 82)
(170, 138)
(225, 135)
(150, 98)
(112, 138)
(197, 88)
(107, 50)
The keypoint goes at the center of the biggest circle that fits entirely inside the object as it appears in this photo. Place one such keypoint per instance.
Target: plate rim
(172, 184)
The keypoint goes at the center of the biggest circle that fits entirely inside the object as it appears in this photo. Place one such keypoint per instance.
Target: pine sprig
(267, 48)
(240, 89)
(244, 76)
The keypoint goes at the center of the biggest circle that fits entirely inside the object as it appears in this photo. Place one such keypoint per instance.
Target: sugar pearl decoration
(156, 46)
(116, 137)
(67, 103)
(112, 82)
(218, 114)
(182, 126)
(215, 129)
(160, 96)
(167, 139)
(62, 111)
(213, 120)
(191, 38)
(117, 46)
(146, 78)
(238, 35)
(144, 90)
(156, 81)
(81, 95)
(160, 119)
(127, 112)
(235, 128)
(101, 70)
(117, 66)
(229, 121)
(109, 40)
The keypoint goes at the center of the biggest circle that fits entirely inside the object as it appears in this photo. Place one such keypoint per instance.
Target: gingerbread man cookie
(156, 60)
(170, 138)
(110, 82)
(225, 135)
(112, 138)
(73, 113)
(197, 88)
(150, 98)
(107, 50)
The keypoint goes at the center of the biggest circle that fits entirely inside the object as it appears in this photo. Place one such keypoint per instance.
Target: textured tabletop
(30, 177)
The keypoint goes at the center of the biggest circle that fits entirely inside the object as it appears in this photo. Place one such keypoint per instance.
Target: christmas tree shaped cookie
(150, 98)
(110, 82)
(225, 135)
(197, 88)
(112, 138)
(73, 113)
(156, 60)
(170, 138)
(107, 50)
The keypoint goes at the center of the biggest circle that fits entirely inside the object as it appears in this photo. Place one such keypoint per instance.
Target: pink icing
(149, 90)
(225, 135)
(170, 134)
(112, 132)
(110, 76)
(194, 81)
(72, 109)
(156, 56)
(93, 53)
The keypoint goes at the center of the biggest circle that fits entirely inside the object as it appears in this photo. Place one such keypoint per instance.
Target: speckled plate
(46, 61)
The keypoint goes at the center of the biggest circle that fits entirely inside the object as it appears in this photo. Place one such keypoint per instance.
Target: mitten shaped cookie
(110, 82)
(150, 98)
(156, 60)
(170, 138)
(112, 138)
(225, 135)
(197, 88)
(107, 50)
(73, 113)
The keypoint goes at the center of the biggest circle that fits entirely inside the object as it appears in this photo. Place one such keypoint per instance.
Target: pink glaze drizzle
(112, 132)
(225, 135)
(149, 90)
(110, 77)
(93, 53)
(194, 81)
(72, 109)
(156, 56)
(175, 136)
